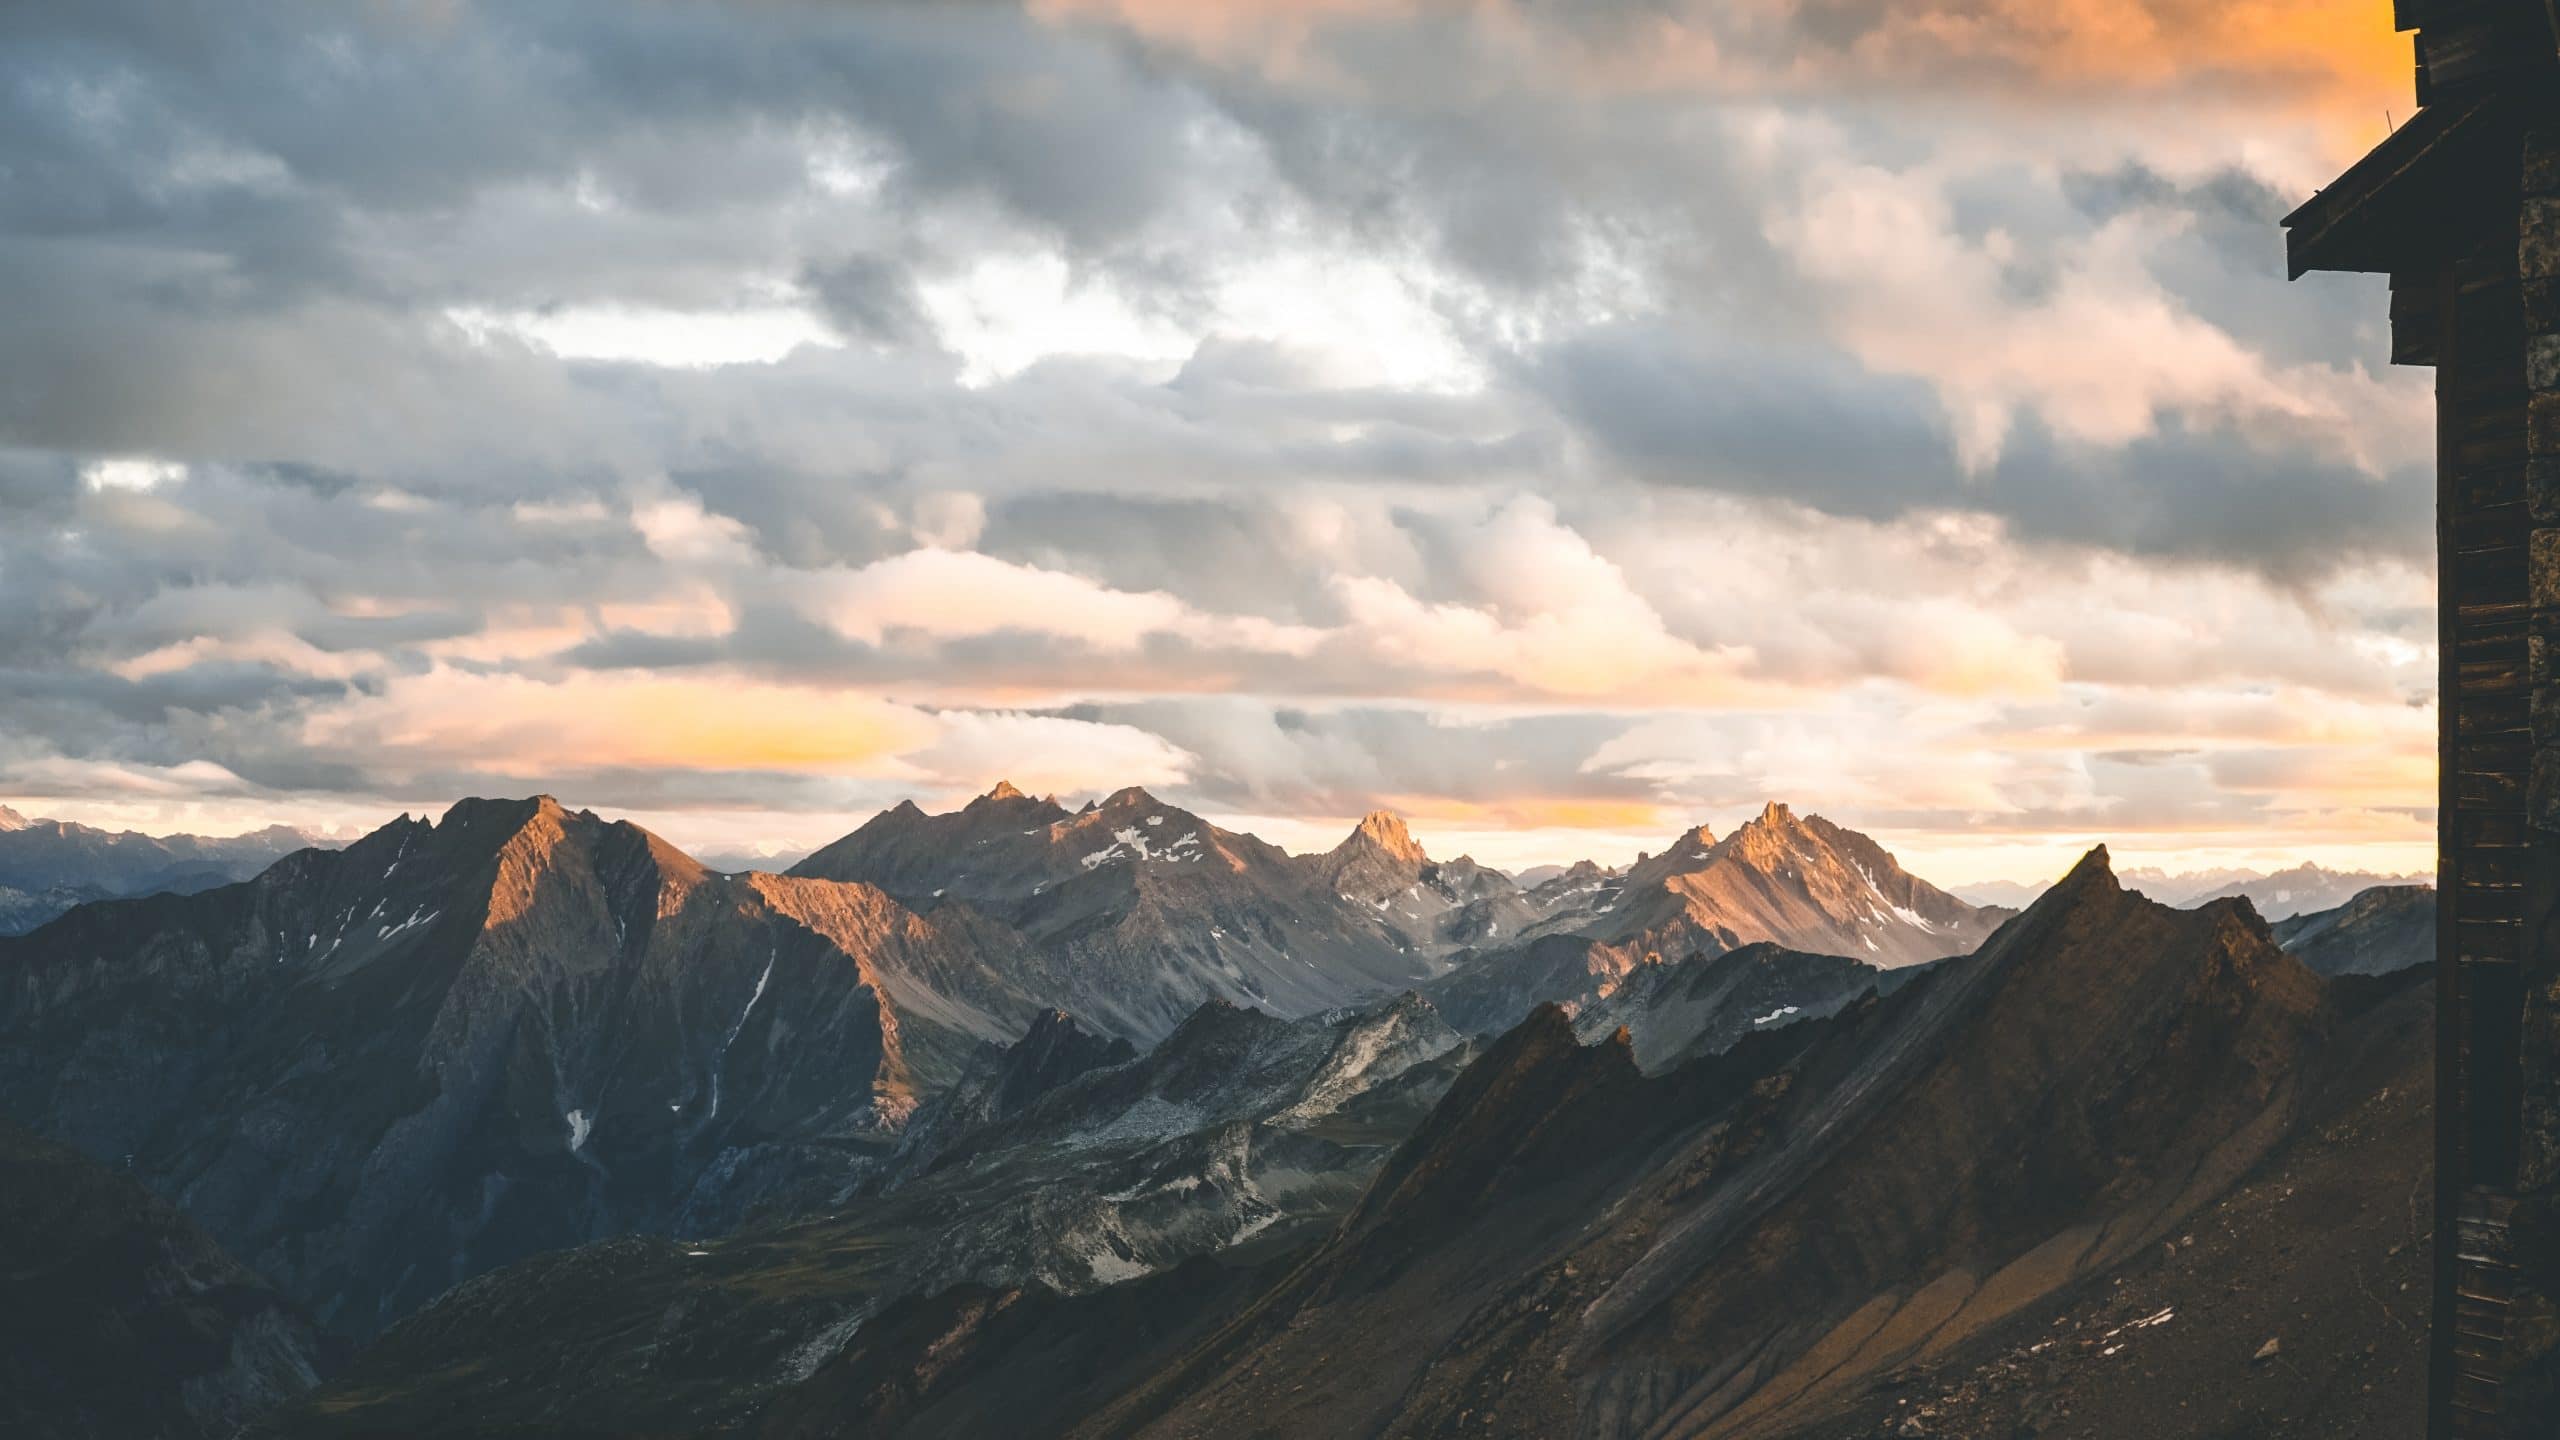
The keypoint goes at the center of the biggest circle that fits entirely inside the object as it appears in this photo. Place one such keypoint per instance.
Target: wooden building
(2461, 207)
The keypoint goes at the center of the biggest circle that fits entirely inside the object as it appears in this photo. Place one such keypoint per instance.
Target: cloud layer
(1562, 422)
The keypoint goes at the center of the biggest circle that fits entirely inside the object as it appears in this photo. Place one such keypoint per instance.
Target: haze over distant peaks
(48, 866)
(2300, 890)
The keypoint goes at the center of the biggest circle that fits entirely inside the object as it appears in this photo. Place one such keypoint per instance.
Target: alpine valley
(1027, 1120)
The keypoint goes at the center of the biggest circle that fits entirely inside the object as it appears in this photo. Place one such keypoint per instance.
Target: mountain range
(48, 866)
(573, 1134)
(1970, 1197)
(375, 1072)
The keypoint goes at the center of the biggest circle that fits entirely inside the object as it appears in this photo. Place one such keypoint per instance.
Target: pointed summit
(1384, 832)
(1004, 790)
(1775, 816)
(2095, 873)
(12, 820)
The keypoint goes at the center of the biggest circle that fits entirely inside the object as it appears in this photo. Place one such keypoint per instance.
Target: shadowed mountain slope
(374, 1072)
(1705, 1004)
(2387, 928)
(1241, 1136)
(1902, 1201)
(120, 1319)
(2005, 1127)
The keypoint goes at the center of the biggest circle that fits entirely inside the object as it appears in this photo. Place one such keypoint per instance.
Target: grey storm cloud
(1818, 428)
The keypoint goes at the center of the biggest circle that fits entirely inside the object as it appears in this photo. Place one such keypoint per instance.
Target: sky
(1558, 423)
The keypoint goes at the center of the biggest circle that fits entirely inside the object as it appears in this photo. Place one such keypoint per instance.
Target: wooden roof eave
(2391, 210)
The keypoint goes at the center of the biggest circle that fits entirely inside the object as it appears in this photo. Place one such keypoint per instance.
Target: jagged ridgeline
(571, 1133)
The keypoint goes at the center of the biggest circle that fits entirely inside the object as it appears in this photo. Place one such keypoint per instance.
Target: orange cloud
(516, 726)
(2310, 44)
(2342, 49)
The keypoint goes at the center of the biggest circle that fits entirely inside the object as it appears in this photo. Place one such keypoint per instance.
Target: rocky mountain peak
(1003, 790)
(12, 820)
(1801, 881)
(1383, 832)
(2094, 874)
(1778, 834)
(498, 813)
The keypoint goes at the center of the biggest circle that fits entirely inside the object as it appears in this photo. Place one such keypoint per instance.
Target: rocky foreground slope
(120, 1319)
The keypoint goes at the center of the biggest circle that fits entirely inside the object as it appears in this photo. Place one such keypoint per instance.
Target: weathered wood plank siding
(2531, 1390)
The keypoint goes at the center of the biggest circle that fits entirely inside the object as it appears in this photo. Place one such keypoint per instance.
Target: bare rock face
(123, 1317)
(1539, 1237)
